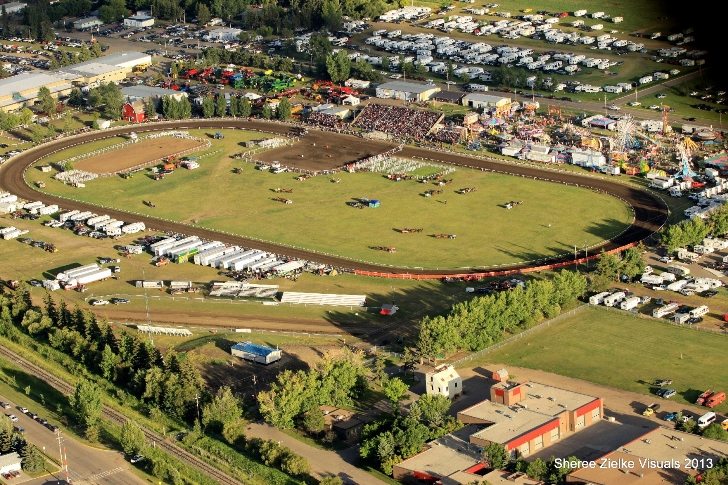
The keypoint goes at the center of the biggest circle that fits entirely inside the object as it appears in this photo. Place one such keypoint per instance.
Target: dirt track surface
(318, 151)
(144, 151)
(650, 211)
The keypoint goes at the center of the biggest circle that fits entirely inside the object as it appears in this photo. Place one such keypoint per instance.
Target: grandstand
(322, 299)
(176, 332)
(398, 121)
(236, 289)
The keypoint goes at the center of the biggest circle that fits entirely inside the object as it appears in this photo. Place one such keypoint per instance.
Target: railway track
(649, 210)
(116, 417)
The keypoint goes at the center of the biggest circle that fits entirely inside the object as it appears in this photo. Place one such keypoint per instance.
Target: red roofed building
(133, 112)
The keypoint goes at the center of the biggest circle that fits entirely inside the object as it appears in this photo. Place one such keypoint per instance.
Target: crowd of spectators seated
(325, 120)
(447, 135)
(397, 121)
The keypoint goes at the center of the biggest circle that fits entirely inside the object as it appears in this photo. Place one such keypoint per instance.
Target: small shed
(10, 462)
(500, 375)
(373, 203)
(256, 353)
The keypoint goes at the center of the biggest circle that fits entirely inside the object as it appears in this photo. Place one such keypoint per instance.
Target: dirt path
(226, 321)
(323, 462)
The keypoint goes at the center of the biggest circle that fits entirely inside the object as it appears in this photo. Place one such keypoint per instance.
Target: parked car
(119, 301)
(136, 458)
(5, 405)
(666, 393)
(670, 417)
(12, 417)
(663, 382)
(99, 302)
(666, 259)
(23, 409)
(709, 293)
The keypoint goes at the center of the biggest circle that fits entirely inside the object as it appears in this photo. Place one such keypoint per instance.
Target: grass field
(415, 298)
(619, 350)
(320, 219)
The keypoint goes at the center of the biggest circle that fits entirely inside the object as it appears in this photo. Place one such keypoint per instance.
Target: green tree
(338, 66)
(331, 14)
(25, 117)
(86, 405)
(313, 420)
(45, 101)
(131, 438)
(113, 11)
(224, 408)
(203, 14)
(632, 262)
(437, 336)
(75, 98)
(537, 469)
(432, 411)
(715, 431)
(608, 266)
(267, 112)
(220, 106)
(295, 465)
(495, 455)
(32, 460)
(395, 389)
(284, 109)
(286, 398)
(208, 106)
(245, 108)
(9, 121)
(378, 368)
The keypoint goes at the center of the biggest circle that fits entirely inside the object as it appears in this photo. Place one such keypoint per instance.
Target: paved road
(650, 211)
(323, 462)
(116, 417)
(86, 465)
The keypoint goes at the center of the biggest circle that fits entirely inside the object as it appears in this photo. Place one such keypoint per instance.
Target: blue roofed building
(256, 353)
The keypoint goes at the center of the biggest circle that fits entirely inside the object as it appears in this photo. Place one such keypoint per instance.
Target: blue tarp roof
(255, 349)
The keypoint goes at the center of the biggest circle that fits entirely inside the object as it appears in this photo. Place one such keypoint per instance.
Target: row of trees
(480, 322)
(692, 231)
(176, 109)
(170, 383)
(388, 441)
(335, 381)
(239, 106)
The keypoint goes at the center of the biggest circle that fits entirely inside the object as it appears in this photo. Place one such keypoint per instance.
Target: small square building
(445, 381)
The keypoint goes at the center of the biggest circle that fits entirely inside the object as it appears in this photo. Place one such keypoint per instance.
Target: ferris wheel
(624, 139)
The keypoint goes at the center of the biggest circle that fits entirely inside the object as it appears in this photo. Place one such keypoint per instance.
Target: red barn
(133, 112)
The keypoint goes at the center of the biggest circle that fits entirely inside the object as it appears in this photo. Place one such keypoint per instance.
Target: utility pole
(575, 258)
(62, 455)
(197, 401)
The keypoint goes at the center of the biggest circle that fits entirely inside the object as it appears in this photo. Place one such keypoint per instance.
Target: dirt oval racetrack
(649, 210)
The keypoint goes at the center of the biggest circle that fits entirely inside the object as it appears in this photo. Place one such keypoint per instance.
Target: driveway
(323, 462)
